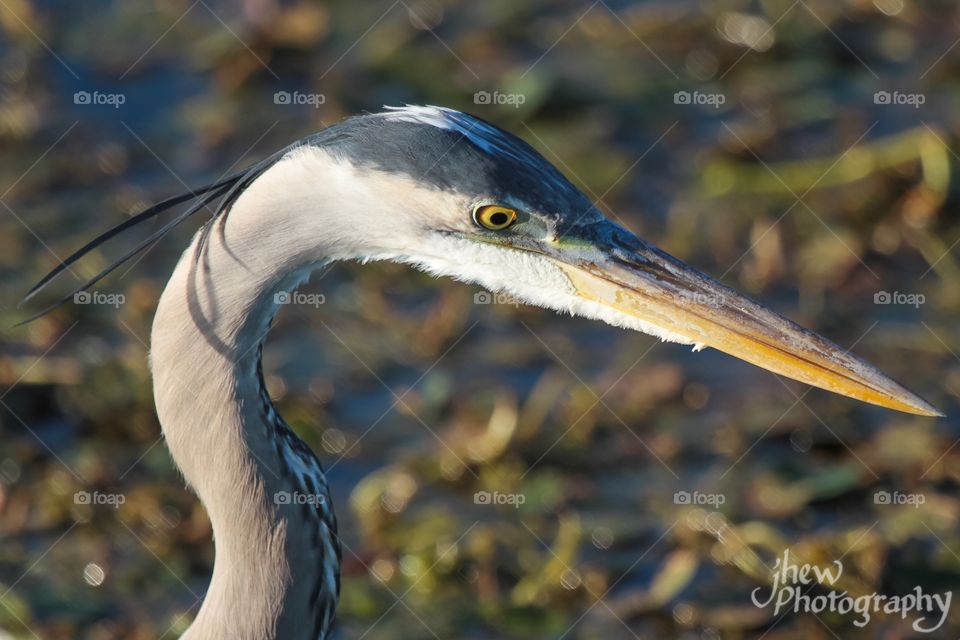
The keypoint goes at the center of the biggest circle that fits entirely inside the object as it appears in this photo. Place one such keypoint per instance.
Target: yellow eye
(494, 217)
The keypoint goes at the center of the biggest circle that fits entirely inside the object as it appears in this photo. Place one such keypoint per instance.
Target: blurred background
(802, 151)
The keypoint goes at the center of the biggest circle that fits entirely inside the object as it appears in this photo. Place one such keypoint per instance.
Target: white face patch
(529, 277)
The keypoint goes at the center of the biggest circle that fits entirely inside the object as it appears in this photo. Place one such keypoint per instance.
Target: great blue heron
(452, 195)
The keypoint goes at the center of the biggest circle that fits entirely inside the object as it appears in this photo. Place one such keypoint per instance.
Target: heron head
(480, 205)
(456, 196)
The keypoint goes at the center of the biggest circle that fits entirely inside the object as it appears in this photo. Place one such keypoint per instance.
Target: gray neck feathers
(277, 555)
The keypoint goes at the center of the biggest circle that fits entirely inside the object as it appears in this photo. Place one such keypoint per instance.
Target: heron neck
(276, 573)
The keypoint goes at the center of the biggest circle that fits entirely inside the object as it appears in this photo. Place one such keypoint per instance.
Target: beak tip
(921, 407)
(936, 413)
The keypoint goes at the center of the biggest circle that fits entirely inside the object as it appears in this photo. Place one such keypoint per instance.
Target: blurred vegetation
(801, 188)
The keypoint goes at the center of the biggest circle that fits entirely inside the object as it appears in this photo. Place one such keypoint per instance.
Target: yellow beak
(641, 281)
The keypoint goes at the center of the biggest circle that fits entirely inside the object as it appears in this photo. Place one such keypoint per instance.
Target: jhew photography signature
(792, 584)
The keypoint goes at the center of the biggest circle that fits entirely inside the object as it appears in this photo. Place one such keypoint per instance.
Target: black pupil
(499, 218)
